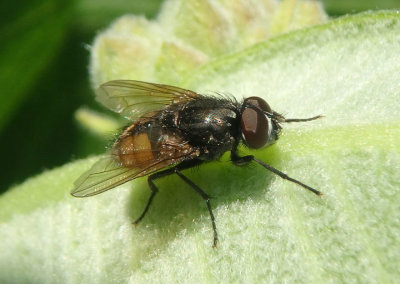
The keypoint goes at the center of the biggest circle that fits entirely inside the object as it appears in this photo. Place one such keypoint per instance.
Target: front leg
(240, 161)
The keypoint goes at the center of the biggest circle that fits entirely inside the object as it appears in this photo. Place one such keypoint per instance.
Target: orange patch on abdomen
(135, 151)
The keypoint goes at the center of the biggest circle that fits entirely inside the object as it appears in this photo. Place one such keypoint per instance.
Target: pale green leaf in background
(188, 34)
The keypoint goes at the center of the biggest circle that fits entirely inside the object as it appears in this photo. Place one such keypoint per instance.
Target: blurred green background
(44, 54)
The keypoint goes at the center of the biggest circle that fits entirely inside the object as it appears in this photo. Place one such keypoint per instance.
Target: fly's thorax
(209, 123)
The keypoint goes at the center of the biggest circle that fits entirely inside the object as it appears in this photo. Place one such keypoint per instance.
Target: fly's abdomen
(146, 143)
(135, 150)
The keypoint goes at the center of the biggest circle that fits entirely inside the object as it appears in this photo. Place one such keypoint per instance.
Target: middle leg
(206, 197)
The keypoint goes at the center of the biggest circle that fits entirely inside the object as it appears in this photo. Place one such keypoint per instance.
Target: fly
(175, 129)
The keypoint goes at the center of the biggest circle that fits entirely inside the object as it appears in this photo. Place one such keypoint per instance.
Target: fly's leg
(247, 159)
(206, 198)
(153, 189)
(176, 170)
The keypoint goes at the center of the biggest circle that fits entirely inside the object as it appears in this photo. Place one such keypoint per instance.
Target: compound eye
(258, 102)
(254, 127)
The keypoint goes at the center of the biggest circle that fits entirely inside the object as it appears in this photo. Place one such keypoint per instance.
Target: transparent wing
(103, 175)
(135, 98)
(108, 173)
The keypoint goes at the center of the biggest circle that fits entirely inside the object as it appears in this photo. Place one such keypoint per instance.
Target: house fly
(175, 129)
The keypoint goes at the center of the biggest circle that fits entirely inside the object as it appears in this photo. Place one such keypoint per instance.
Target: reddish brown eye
(259, 102)
(254, 123)
(254, 127)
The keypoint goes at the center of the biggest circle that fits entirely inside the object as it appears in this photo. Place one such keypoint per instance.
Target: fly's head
(259, 123)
